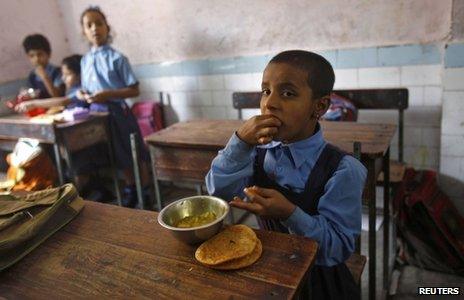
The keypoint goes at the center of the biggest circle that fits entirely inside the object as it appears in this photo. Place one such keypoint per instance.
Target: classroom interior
(199, 67)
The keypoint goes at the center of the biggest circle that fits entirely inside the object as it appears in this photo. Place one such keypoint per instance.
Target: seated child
(278, 166)
(45, 76)
(71, 76)
(87, 160)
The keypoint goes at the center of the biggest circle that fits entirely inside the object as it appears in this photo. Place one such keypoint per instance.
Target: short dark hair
(73, 63)
(36, 42)
(321, 76)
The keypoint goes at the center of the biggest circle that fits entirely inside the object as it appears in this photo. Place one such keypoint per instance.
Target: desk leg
(59, 167)
(386, 219)
(114, 171)
(135, 163)
(371, 181)
(155, 180)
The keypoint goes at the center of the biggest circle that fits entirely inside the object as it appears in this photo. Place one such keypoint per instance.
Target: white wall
(452, 143)
(161, 30)
(19, 18)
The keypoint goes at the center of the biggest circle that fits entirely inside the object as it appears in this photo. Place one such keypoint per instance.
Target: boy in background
(45, 76)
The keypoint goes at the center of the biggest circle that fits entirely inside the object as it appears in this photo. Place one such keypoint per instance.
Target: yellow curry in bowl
(197, 220)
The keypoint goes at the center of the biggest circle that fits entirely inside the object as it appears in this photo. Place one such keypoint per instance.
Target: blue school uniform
(104, 68)
(36, 82)
(325, 185)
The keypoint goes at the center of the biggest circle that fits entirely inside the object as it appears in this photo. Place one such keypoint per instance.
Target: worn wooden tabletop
(16, 126)
(109, 250)
(214, 134)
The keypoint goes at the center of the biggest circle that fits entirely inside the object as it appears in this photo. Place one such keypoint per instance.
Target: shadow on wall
(170, 115)
(454, 189)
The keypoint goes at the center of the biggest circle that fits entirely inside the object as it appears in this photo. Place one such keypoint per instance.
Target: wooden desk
(66, 138)
(184, 151)
(113, 251)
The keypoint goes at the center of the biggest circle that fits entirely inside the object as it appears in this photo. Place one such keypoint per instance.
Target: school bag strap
(27, 221)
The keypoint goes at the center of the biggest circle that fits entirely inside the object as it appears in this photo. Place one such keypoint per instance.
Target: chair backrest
(244, 100)
(394, 98)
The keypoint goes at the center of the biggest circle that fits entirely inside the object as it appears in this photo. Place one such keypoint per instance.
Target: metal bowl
(193, 206)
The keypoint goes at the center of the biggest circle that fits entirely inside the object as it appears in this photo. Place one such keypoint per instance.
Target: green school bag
(28, 220)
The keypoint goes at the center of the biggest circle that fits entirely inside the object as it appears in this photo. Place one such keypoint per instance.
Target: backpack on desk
(341, 109)
(149, 116)
(28, 220)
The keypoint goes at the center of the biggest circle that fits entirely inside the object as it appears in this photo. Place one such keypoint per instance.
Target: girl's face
(70, 78)
(287, 96)
(95, 28)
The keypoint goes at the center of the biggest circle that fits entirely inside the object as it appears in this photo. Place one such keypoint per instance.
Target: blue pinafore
(325, 282)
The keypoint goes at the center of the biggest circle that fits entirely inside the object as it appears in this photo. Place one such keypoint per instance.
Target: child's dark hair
(73, 63)
(99, 11)
(321, 76)
(36, 42)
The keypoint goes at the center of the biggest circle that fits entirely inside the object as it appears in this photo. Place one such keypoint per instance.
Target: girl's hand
(259, 129)
(99, 97)
(82, 95)
(267, 203)
(25, 106)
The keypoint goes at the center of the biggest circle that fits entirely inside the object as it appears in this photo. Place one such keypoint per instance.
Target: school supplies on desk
(26, 94)
(76, 113)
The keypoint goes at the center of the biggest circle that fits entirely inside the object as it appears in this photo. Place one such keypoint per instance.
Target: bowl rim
(161, 213)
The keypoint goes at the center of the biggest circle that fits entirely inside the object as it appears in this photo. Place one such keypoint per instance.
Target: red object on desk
(35, 112)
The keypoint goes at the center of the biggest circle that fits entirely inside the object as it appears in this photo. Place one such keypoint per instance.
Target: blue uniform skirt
(121, 124)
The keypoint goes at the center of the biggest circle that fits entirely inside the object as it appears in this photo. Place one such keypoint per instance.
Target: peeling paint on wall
(160, 30)
(457, 26)
(174, 30)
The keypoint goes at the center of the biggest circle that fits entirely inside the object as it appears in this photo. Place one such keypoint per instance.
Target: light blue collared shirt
(289, 165)
(104, 68)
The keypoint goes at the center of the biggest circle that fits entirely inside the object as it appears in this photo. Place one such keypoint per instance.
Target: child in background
(294, 181)
(71, 76)
(45, 76)
(87, 160)
(107, 79)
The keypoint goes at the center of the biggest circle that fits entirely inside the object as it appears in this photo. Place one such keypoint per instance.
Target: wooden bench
(356, 264)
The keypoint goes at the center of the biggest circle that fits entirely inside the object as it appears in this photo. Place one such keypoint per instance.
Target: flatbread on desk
(234, 242)
(242, 262)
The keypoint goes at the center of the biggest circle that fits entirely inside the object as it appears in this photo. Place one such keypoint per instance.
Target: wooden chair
(157, 124)
(245, 100)
(356, 263)
(394, 98)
